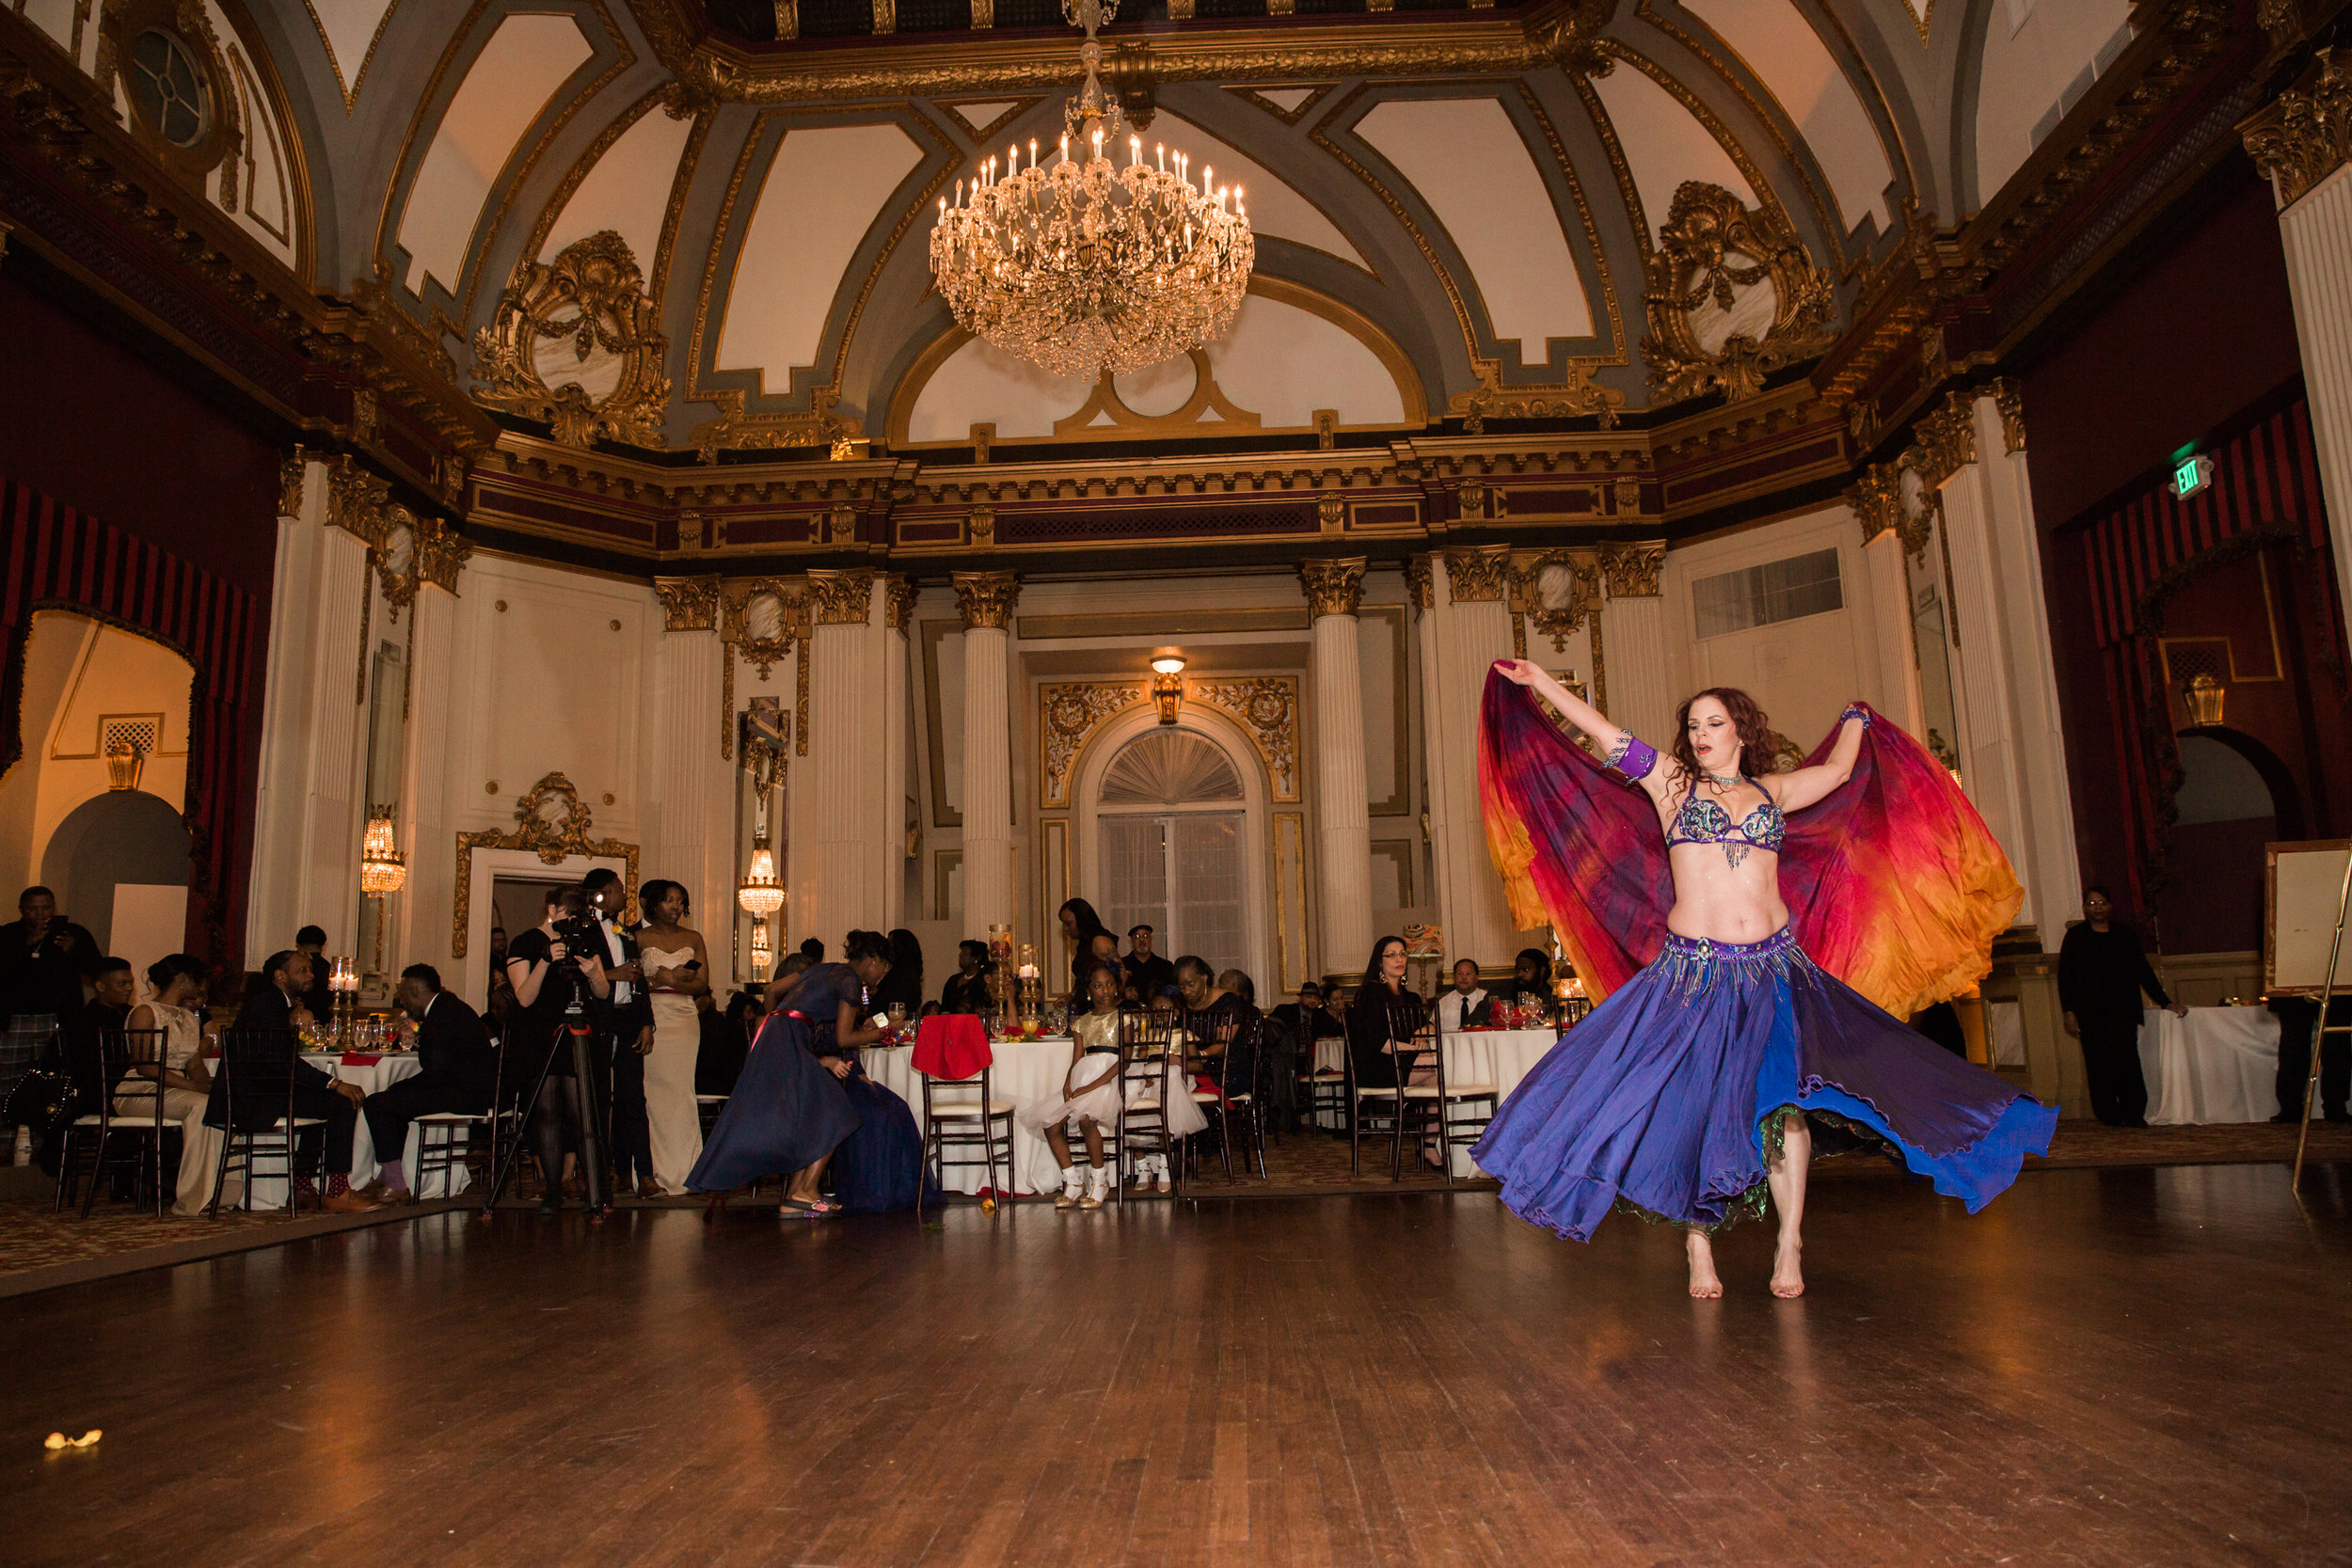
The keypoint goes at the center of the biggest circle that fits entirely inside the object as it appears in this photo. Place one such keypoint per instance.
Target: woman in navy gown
(802, 1104)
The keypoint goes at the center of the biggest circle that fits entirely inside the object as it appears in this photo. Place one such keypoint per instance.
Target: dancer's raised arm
(1623, 750)
(1799, 789)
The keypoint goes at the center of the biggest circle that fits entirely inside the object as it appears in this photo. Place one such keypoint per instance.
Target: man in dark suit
(460, 1075)
(318, 996)
(626, 1019)
(275, 1010)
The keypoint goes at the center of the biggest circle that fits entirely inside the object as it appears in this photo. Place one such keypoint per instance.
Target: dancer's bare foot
(1789, 1268)
(1704, 1284)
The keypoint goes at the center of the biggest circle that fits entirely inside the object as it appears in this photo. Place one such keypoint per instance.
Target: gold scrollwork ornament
(574, 344)
(1732, 296)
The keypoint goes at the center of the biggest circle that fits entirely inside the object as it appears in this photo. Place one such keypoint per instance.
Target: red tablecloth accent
(360, 1059)
(952, 1045)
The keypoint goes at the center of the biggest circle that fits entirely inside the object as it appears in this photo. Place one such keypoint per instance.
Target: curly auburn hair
(1760, 745)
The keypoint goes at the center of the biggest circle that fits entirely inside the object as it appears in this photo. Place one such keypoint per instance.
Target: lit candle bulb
(1208, 180)
(1098, 144)
(1033, 152)
(1161, 148)
(1134, 151)
(1065, 146)
(1238, 207)
(1012, 160)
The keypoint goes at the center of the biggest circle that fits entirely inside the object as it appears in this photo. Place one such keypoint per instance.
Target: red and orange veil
(1893, 882)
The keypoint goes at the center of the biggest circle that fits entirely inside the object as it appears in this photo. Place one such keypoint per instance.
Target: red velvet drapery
(58, 559)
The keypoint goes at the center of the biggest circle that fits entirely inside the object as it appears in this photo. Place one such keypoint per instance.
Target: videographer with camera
(43, 960)
(557, 970)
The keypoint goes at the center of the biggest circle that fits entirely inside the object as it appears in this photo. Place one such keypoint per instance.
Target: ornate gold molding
(553, 840)
(355, 500)
(220, 137)
(844, 599)
(1477, 576)
(2305, 133)
(1420, 582)
(1712, 251)
(898, 597)
(1557, 621)
(2012, 408)
(592, 298)
(762, 651)
(1944, 442)
(438, 553)
(1632, 571)
(1333, 587)
(688, 604)
(986, 599)
(1072, 713)
(291, 470)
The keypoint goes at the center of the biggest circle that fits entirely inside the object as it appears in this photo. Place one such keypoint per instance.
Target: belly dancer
(1757, 956)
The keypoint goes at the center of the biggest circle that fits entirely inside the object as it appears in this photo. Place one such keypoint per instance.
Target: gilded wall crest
(574, 344)
(1732, 296)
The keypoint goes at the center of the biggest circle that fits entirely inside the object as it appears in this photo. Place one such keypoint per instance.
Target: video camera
(580, 933)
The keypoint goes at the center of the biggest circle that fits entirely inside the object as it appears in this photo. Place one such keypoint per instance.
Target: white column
(1343, 800)
(1473, 630)
(835, 819)
(418, 917)
(1641, 695)
(986, 600)
(1900, 692)
(897, 698)
(692, 812)
(1437, 805)
(274, 889)
(2292, 143)
(2013, 758)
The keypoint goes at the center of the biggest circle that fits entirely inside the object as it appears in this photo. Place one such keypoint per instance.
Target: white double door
(1181, 873)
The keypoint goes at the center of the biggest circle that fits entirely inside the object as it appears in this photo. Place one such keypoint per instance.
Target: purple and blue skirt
(1665, 1098)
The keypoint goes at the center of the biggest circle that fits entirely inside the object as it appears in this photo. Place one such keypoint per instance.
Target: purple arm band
(1632, 758)
(1856, 710)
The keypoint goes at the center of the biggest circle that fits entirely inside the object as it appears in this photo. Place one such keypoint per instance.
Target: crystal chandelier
(382, 868)
(1083, 267)
(760, 896)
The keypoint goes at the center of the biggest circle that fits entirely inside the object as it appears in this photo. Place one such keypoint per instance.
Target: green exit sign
(2191, 474)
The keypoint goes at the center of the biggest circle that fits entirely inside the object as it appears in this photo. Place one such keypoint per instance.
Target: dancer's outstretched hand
(1519, 672)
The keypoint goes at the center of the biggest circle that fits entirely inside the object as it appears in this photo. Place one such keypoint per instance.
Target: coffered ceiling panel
(1466, 159)
(1788, 57)
(512, 81)
(629, 189)
(1664, 144)
(826, 188)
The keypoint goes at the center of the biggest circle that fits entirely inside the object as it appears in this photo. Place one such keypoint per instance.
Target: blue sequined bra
(1704, 821)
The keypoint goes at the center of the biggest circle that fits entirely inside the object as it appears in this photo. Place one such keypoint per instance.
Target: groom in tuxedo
(628, 1024)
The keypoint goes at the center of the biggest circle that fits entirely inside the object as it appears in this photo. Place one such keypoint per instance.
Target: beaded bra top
(1702, 821)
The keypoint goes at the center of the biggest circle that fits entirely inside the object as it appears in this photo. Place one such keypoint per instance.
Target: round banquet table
(1496, 1056)
(1023, 1070)
(2217, 1064)
(370, 1073)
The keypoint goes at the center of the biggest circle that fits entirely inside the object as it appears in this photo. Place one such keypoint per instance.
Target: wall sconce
(124, 763)
(382, 868)
(1167, 683)
(2203, 698)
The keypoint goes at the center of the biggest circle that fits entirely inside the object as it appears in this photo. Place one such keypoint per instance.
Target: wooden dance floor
(2144, 1366)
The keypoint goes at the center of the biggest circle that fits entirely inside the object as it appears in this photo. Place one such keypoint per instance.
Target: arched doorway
(2227, 809)
(1177, 843)
(119, 864)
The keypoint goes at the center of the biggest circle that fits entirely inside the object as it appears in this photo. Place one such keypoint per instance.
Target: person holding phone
(673, 958)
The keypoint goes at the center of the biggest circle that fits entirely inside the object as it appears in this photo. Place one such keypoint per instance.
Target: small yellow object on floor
(60, 1440)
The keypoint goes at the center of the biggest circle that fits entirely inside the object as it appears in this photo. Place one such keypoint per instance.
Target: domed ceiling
(1580, 211)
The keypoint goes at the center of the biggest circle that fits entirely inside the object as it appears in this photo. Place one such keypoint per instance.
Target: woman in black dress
(1384, 1013)
(534, 1038)
(1090, 943)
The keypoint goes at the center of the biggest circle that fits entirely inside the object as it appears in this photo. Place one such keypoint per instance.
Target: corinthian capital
(1333, 587)
(2305, 133)
(986, 599)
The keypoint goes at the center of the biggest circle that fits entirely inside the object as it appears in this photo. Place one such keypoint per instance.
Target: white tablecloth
(1498, 1056)
(1023, 1070)
(269, 1191)
(2217, 1064)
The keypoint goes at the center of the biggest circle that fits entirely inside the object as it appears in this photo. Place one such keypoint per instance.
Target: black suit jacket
(453, 1047)
(624, 1019)
(266, 1010)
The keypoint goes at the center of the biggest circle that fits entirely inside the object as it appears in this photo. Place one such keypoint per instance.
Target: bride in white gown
(676, 970)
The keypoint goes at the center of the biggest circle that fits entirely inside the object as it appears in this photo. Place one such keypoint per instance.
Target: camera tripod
(573, 1035)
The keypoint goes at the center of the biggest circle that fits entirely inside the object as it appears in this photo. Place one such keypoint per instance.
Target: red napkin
(952, 1045)
(355, 1058)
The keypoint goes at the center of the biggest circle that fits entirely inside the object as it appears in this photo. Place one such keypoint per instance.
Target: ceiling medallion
(575, 344)
(1085, 268)
(1732, 297)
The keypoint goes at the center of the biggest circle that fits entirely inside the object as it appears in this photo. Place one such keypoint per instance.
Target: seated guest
(1385, 1013)
(318, 997)
(1531, 978)
(1090, 1096)
(74, 1053)
(460, 1073)
(43, 961)
(275, 1010)
(1212, 1040)
(903, 985)
(1147, 974)
(1305, 1020)
(813, 950)
(966, 990)
(176, 986)
(1466, 1002)
(1232, 982)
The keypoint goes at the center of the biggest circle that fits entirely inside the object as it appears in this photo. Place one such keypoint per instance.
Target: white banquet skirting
(1023, 1070)
(269, 1191)
(2217, 1064)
